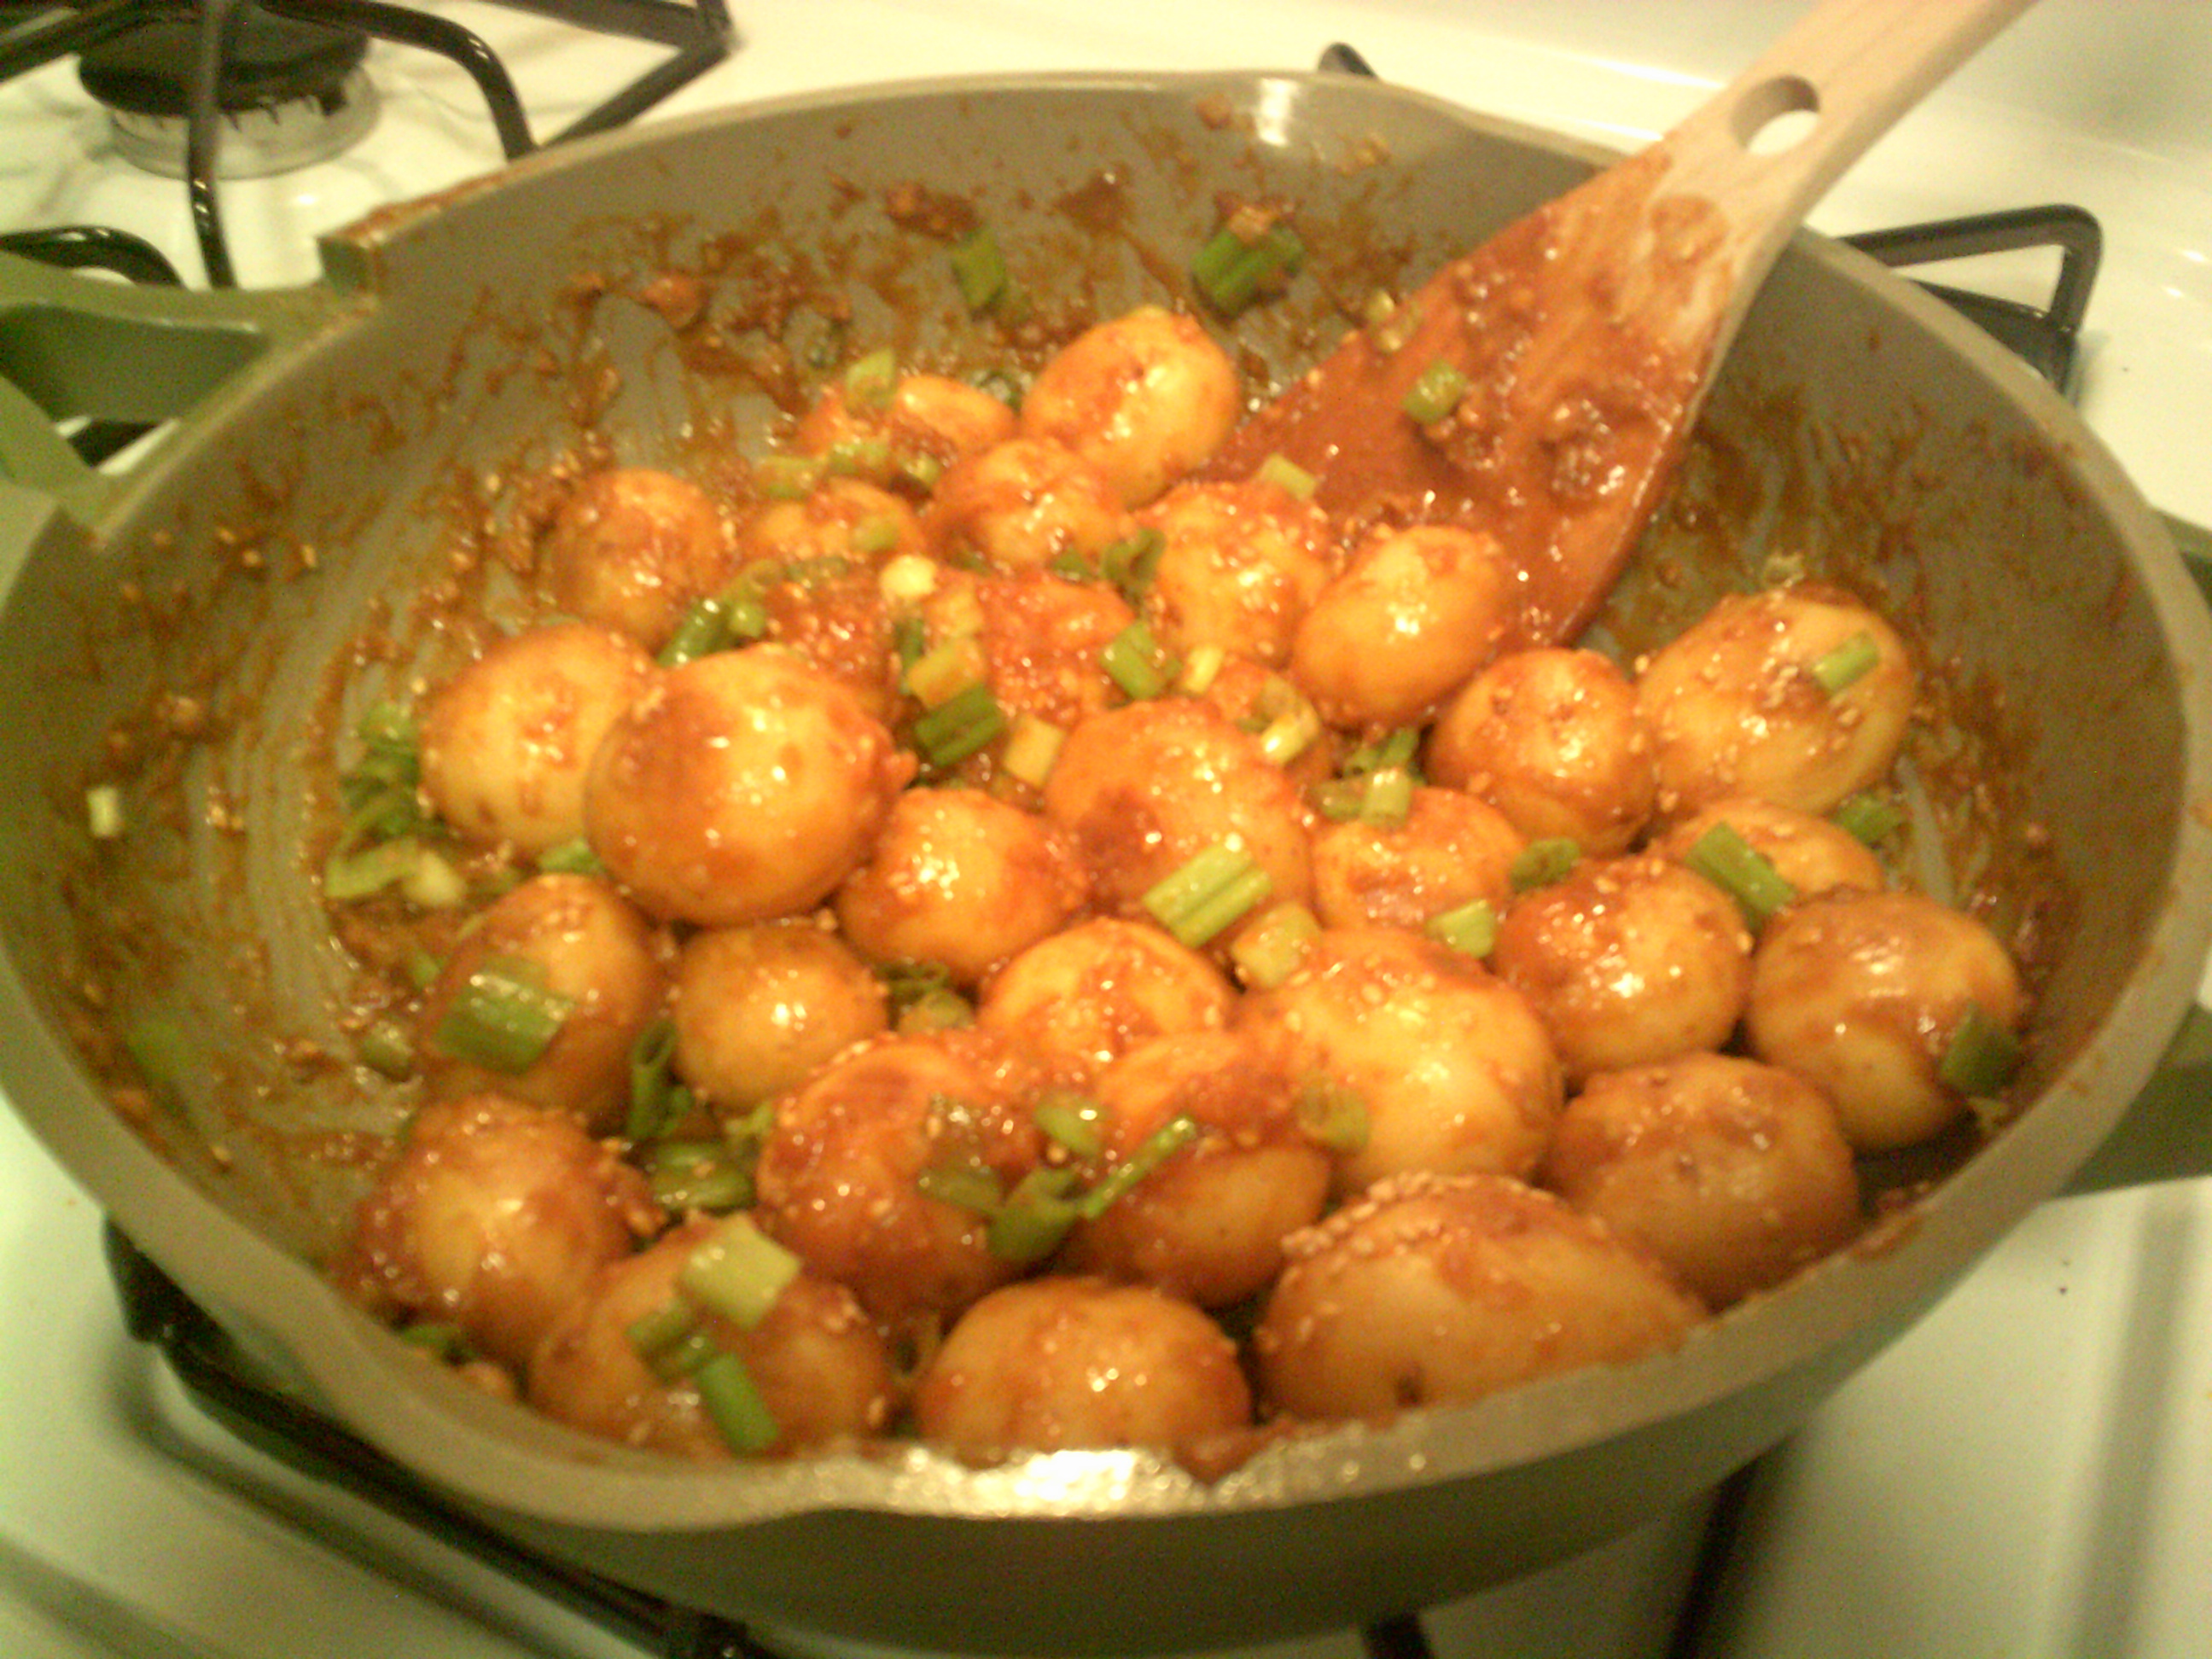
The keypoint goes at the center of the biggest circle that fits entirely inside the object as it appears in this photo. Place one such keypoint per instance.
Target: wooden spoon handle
(1852, 68)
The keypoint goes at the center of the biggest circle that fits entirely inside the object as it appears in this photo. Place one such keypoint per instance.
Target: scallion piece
(738, 1271)
(440, 1339)
(1981, 1055)
(1394, 748)
(1276, 946)
(1072, 1121)
(979, 269)
(1471, 928)
(657, 1100)
(1287, 735)
(872, 536)
(697, 1175)
(1544, 861)
(1436, 393)
(654, 1335)
(571, 858)
(1037, 1215)
(1871, 816)
(1130, 562)
(962, 726)
(1840, 669)
(1387, 799)
(702, 630)
(1156, 1148)
(967, 1184)
(431, 882)
(727, 1391)
(103, 811)
(1212, 892)
(870, 381)
(1033, 745)
(866, 456)
(946, 669)
(386, 1049)
(942, 1009)
(1239, 264)
(1288, 476)
(1333, 1114)
(362, 873)
(1724, 858)
(1132, 659)
(1339, 799)
(504, 1018)
(786, 477)
(1201, 669)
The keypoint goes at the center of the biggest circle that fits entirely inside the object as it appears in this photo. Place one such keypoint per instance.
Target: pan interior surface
(651, 298)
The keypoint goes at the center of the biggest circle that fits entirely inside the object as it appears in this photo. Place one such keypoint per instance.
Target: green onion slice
(1131, 563)
(1132, 659)
(504, 1018)
(962, 724)
(740, 1415)
(1210, 893)
(1544, 861)
(697, 1175)
(738, 1271)
(1436, 393)
(979, 269)
(1073, 1121)
(1724, 858)
(1394, 750)
(1471, 928)
(1333, 1114)
(1037, 1215)
(1288, 476)
(1241, 262)
(1871, 816)
(1981, 1055)
(967, 1184)
(1840, 669)
(657, 1100)
(1276, 946)
(571, 858)
(386, 1049)
(870, 381)
(656, 1335)
(1156, 1148)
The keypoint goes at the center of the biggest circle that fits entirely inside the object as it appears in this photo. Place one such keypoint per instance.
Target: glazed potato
(1431, 1292)
(1628, 960)
(506, 739)
(1054, 1364)
(1239, 565)
(1452, 1067)
(1416, 611)
(1451, 850)
(758, 1008)
(1813, 854)
(841, 519)
(492, 1216)
(1208, 1223)
(746, 785)
(578, 938)
(839, 620)
(822, 1369)
(916, 428)
(1145, 399)
(1147, 787)
(1556, 739)
(1863, 994)
(848, 1177)
(1737, 706)
(632, 547)
(961, 880)
(1732, 1173)
(1043, 640)
(1021, 504)
(1097, 988)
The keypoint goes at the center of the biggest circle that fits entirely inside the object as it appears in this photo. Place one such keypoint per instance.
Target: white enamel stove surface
(2029, 1472)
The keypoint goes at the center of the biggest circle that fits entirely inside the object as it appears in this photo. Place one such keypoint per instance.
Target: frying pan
(166, 633)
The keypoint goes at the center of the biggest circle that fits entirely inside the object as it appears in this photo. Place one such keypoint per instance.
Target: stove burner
(289, 93)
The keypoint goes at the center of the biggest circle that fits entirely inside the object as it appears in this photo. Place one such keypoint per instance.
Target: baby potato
(1554, 738)
(847, 519)
(1737, 704)
(850, 1175)
(1147, 787)
(1862, 994)
(631, 547)
(759, 1007)
(1054, 1364)
(579, 939)
(1415, 612)
(746, 785)
(492, 1216)
(1207, 1225)
(1813, 854)
(1451, 850)
(923, 424)
(1021, 504)
(1627, 960)
(961, 880)
(1431, 1291)
(506, 739)
(1452, 1067)
(1732, 1173)
(1081, 997)
(1145, 398)
(1239, 564)
(821, 1368)
(839, 620)
(1042, 642)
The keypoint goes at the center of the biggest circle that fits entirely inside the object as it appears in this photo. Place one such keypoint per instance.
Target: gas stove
(2029, 1471)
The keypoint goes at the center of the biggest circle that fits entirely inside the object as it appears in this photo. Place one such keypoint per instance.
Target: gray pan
(167, 632)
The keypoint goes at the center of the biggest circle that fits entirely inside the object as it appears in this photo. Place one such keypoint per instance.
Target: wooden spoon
(1587, 332)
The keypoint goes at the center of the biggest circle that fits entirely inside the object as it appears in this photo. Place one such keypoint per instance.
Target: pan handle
(76, 348)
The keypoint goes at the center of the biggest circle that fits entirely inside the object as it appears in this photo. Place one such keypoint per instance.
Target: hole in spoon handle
(1776, 115)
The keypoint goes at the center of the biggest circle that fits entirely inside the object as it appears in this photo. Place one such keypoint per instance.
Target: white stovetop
(2029, 1472)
